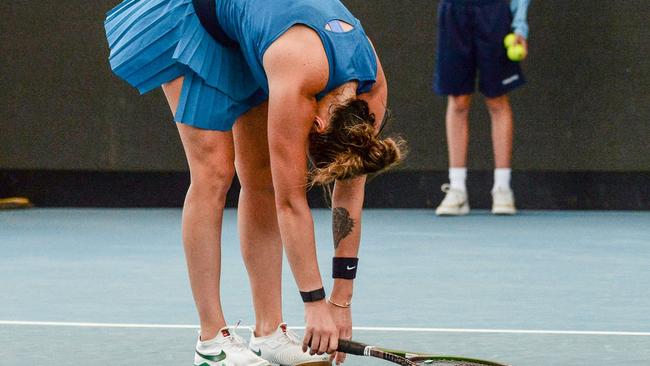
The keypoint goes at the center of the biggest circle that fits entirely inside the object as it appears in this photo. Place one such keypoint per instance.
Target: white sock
(457, 178)
(210, 344)
(502, 179)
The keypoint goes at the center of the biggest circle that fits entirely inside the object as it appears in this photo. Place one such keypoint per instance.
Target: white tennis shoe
(455, 203)
(227, 349)
(284, 348)
(503, 202)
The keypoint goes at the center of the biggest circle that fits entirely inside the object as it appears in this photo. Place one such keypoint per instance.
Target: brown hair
(350, 146)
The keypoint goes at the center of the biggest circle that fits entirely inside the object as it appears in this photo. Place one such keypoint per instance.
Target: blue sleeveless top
(153, 42)
(256, 24)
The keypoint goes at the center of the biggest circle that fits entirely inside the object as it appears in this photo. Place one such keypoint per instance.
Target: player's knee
(260, 189)
(212, 181)
(255, 176)
(258, 184)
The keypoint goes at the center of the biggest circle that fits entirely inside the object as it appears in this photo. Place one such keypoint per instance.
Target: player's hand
(343, 320)
(522, 41)
(321, 335)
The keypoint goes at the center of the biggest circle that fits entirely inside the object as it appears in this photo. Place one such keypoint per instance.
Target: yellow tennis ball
(510, 40)
(517, 53)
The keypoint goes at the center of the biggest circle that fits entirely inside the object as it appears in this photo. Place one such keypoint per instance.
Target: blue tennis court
(542, 288)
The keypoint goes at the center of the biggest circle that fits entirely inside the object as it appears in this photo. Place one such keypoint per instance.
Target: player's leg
(455, 77)
(261, 243)
(210, 156)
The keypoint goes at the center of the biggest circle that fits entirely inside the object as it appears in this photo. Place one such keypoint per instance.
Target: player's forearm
(296, 227)
(347, 206)
(343, 291)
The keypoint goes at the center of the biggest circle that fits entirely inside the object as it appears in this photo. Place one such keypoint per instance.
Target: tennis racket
(407, 358)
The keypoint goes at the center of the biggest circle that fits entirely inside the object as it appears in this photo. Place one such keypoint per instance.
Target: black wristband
(345, 268)
(313, 296)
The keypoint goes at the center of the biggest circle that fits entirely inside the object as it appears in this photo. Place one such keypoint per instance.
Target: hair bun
(350, 147)
(345, 166)
(361, 136)
(383, 155)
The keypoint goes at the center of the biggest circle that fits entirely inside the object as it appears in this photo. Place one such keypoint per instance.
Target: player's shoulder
(298, 58)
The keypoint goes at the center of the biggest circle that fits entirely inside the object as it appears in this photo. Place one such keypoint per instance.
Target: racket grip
(352, 348)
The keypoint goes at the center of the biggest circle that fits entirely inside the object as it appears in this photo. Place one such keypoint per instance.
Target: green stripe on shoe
(217, 358)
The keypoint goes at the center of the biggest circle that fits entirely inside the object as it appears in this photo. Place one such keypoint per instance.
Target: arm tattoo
(342, 225)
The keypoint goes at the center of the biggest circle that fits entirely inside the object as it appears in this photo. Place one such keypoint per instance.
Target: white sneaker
(454, 204)
(284, 348)
(503, 202)
(227, 349)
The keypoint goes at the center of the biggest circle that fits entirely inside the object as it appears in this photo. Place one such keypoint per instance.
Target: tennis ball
(510, 40)
(517, 53)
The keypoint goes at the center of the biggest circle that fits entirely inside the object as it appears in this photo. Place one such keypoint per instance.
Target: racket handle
(352, 348)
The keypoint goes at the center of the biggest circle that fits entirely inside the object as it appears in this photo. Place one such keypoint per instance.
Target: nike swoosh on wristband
(351, 268)
(217, 358)
(258, 352)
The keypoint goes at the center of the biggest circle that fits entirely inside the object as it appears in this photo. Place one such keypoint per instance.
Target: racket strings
(430, 362)
(392, 358)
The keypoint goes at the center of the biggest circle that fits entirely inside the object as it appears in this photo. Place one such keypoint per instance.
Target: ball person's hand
(522, 41)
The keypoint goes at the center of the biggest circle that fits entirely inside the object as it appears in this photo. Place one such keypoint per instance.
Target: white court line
(363, 329)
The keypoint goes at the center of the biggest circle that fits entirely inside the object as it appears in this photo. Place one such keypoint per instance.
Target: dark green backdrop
(586, 107)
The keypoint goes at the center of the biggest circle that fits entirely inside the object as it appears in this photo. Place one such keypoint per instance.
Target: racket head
(450, 361)
(361, 349)
(441, 360)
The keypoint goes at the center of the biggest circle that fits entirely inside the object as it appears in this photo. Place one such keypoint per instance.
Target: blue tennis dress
(156, 41)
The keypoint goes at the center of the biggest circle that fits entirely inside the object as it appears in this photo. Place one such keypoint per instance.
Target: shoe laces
(235, 340)
(291, 337)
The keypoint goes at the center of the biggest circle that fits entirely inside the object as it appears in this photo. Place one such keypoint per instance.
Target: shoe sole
(464, 210)
(504, 211)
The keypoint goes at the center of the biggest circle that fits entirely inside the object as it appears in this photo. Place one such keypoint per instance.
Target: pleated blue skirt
(153, 42)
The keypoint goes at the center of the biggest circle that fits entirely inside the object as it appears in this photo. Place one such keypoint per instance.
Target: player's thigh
(252, 149)
(210, 153)
(172, 92)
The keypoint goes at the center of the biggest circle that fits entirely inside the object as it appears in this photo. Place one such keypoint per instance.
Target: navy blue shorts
(470, 40)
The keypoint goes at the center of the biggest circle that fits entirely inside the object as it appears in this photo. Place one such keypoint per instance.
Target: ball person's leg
(457, 122)
(502, 130)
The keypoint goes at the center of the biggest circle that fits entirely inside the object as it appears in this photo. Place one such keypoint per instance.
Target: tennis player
(257, 87)
(470, 44)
